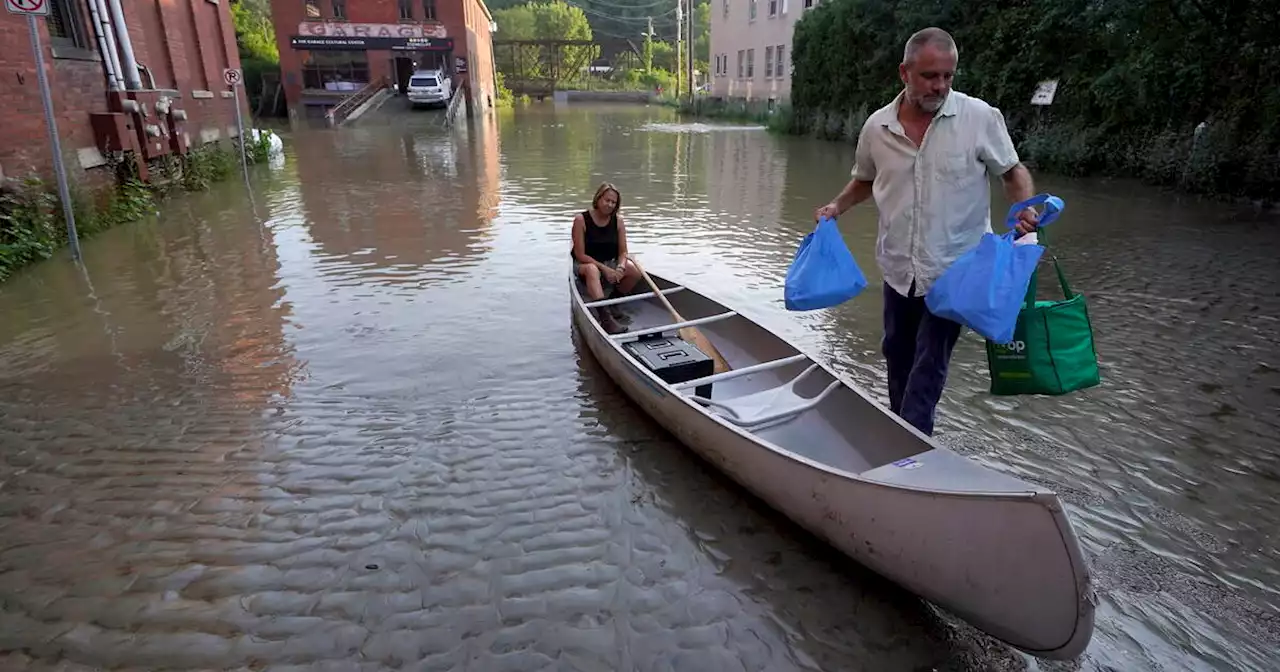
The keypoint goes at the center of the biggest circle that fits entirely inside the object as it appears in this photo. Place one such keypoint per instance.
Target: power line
(613, 6)
(611, 17)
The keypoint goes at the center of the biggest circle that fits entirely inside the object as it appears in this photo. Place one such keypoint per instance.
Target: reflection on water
(399, 201)
(352, 423)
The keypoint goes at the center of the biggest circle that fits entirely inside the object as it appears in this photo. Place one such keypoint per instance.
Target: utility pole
(679, 45)
(692, 42)
(648, 48)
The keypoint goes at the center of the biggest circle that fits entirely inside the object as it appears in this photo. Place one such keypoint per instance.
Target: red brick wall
(480, 57)
(455, 15)
(185, 45)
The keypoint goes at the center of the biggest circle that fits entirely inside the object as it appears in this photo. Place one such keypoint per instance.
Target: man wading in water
(925, 159)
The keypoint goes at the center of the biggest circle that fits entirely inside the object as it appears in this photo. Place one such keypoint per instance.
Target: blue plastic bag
(823, 272)
(984, 289)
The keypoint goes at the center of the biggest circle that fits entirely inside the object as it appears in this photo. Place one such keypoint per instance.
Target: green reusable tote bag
(1052, 350)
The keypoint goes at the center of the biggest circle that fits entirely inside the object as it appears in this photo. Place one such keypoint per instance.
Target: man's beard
(930, 104)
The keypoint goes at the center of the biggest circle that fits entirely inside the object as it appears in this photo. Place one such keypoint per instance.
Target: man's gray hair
(928, 36)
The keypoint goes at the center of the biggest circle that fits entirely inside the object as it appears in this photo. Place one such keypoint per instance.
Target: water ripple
(352, 428)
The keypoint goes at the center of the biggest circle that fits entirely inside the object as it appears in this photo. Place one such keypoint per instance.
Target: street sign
(234, 79)
(28, 7)
(1045, 92)
(374, 43)
(34, 8)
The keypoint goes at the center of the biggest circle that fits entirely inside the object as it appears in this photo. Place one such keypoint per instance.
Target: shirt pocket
(955, 167)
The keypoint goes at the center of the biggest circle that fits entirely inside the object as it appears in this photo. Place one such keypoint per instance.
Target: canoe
(994, 550)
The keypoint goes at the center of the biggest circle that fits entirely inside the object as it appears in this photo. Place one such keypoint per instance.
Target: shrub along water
(31, 222)
(1179, 93)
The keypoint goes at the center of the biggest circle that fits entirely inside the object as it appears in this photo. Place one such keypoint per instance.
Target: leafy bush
(31, 220)
(1136, 81)
(205, 165)
(505, 99)
(27, 229)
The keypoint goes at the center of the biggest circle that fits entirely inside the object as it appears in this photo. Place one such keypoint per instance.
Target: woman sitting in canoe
(600, 252)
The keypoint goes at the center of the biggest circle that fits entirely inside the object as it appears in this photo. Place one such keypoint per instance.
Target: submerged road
(345, 424)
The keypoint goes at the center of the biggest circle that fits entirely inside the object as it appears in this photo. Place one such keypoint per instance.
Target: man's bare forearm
(1018, 185)
(853, 193)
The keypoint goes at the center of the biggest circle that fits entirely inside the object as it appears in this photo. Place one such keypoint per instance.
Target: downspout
(129, 66)
(151, 79)
(107, 43)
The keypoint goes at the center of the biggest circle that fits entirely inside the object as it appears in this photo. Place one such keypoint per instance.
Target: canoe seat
(776, 404)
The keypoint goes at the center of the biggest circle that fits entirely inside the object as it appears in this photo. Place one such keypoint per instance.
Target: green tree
(255, 34)
(702, 36)
(256, 42)
(556, 20)
(1137, 78)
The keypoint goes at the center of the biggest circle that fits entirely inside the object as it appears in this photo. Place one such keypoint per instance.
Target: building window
(311, 8)
(740, 52)
(406, 10)
(751, 10)
(777, 63)
(773, 8)
(751, 63)
(808, 4)
(429, 10)
(336, 70)
(340, 9)
(768, 61)
(726, 9)
(66, 28)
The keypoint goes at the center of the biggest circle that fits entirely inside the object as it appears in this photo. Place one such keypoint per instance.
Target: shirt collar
(949, 105)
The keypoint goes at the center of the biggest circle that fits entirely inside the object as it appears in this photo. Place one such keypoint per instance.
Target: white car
(428, 87)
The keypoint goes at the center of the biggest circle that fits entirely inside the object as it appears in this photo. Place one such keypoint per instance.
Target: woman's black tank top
(599, 242)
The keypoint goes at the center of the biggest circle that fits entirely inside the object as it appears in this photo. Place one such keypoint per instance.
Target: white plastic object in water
(276, 147)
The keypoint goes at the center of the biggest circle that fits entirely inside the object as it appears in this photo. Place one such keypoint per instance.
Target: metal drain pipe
(129, 66)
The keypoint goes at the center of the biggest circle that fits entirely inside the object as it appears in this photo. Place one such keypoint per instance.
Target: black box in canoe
(674, 360)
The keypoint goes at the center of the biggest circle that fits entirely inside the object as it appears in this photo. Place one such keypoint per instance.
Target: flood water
(346, 424)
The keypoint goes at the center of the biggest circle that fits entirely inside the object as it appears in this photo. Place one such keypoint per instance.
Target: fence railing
(455, 104)
(338, 113)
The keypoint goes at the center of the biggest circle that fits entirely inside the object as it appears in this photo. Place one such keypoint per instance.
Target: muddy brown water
(346, 424)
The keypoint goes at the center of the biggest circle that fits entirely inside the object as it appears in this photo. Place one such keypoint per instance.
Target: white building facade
(751, 47)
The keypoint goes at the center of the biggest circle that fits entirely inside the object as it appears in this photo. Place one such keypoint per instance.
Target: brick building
(152, 86)
(330, 48)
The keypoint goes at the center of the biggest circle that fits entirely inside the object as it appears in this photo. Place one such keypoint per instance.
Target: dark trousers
(917, 348)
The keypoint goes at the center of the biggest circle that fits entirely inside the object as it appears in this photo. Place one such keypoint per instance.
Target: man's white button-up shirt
(934, 201)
